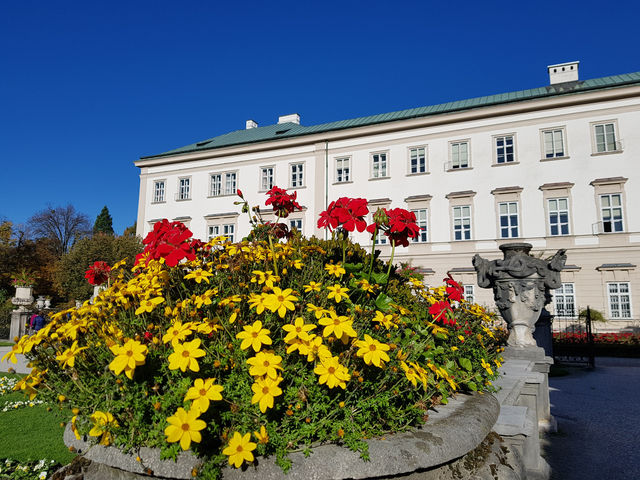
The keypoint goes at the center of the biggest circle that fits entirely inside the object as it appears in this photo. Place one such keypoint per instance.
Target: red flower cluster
(169, 240)
(398, 224)
(347, 213)
(283, 202)
(440, 310)
(625, 338)
(453, 289)
(98, 273)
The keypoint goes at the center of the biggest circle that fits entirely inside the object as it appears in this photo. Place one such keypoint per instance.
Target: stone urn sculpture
(521, 287)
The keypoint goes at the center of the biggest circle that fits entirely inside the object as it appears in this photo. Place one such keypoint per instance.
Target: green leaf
(380, 278)
(465, 363)
(473, 386)
(383, 302)
(352, 267)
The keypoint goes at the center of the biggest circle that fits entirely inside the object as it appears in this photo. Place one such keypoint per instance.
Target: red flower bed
(624, 338)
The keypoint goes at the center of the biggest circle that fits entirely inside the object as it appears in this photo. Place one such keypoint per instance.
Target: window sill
(343, 183)
(297, 188)
(462, 169)
(612, 152)
(372, 179)
(159, 202)
(551, 159)
(505, 164)
(183, 199)
(417, 174)
(223, 195)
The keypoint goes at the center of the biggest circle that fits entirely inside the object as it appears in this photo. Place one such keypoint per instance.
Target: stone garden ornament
(521, 287)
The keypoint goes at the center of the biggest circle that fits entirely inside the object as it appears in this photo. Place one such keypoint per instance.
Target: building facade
(554, 166)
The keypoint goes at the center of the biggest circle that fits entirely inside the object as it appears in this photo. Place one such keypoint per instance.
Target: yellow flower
(103, 422)
(184, 427)
(486, 366)
(147, 305)
(184, 356)
(11, 354)
(177, 332)
(318, 311)
(335, 269)
(202, 392)
(128, 357)
(337, 292)
(68, 357)
(208, 326)
(262, 436)
(314, 348)
(205, 298)
(264, 390)
(372, 351)
(365, 285)
(254, 336)
(410, 373)
(199, 275)
(298, 330)
(338, 325)
(298, 264)
(332, 373)
(258, 302)
(280, 301)
(312, 287)
(264, 277)
(265, 364)
(74, 428)
(386, 320)
(239, 449)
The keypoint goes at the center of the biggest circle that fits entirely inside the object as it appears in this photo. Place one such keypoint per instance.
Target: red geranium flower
(402, 226)
(347, 213)
(453, 289)
(98, 273)
(168, 240)
(440, 311)
(283, 202)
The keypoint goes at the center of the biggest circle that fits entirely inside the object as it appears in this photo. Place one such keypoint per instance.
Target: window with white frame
(216, 185)
(343, 170)
(417, 160)
(421, 221)
(508, 213)
(564, 300)
(295, 223)
(223, 184)
(505, 149)
(267, 178)
(158, 191)
(228, 230)
(230, 183)
(611, 210)
(297, 175)
(378, 165)
(462, 222)
(558, 216)
(184, 188)
(553, 143)
(619, 299)
(469, 293)
(605, 137)
(459, 155)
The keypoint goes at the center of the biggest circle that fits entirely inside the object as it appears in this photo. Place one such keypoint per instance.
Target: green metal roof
(289, 130)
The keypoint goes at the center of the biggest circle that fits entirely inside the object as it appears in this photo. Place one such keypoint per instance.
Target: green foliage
(104, 222)
(596, 315)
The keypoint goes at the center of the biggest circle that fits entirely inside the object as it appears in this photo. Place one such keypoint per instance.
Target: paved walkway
(598, 414)
(20, 367)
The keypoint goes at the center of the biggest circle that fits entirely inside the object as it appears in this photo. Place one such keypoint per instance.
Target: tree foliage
(62, 225)
(104, 222)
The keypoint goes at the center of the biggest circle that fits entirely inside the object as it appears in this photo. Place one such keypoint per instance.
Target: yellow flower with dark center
(298, 330)
(103, 423)
(254, 336)
(312, 287)
(185, 356)
(265, 364)
(337, 293)
(332, 373)
(410, 373)
(386, 320)
(338, 325)
(177, 332)
(257, 302)
(262, 436)
(317, 311)
(314, 348)
(199, 275)
(202, 392)
(264, 391)
(280, 301)
(128, 357)
(148, 304)
(184, 427)
(205, 298)
(486, 366)
(335, 269)
(365, 285)
(372, 351)
(260, 277)
(68, 357)
(298, 264)
(208, 326)
(11, 354)
(239, 449)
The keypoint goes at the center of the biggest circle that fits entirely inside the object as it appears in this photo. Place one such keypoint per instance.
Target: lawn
(31, 433)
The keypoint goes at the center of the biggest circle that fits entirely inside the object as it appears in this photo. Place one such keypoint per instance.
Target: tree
(63, 225)
(104, 223)
(131, 230)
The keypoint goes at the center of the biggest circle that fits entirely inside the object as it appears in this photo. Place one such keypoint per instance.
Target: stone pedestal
(542, 333)
(19, 322)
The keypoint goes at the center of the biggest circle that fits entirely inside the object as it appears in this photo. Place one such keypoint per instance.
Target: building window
(558, 216)
(462, 222)
(158, 191)
(297, 175)
(184, 189)
(266, 178)
(295, 223)
(611, 208)
(605, 137)
(564, 299)
(504, 149)
(553, 143)
(343, 170)
(216, 185)
(218, 188)
(230, 183)
(459, 155)
(227, 230)
(469, 293)
(417, 160)
(421, 220)
(619, 299)
(379, 165)
(508, 219)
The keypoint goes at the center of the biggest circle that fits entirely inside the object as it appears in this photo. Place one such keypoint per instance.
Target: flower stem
(373, 248)
(393, 251)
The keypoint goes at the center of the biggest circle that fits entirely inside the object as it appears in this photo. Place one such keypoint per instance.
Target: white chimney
(293, 118)
(251, 124)
(563, 72)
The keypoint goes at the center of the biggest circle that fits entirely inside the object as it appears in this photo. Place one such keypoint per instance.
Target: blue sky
(86, 88)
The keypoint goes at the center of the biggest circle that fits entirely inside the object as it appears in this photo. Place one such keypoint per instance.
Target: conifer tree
(104, 223)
